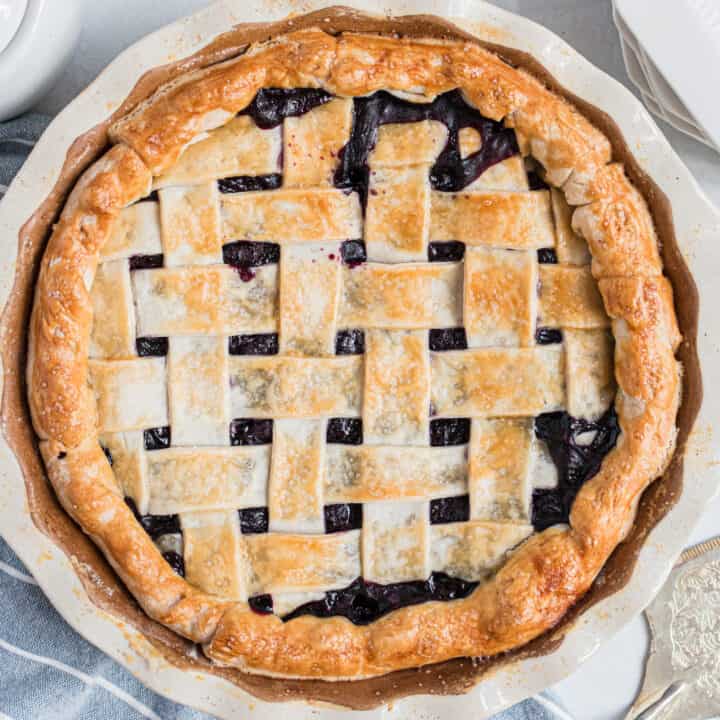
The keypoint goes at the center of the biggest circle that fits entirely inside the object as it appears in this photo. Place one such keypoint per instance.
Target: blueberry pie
(354, 353)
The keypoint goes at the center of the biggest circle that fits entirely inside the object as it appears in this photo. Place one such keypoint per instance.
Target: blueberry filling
(451, 172)
(175, 561)
(548, 336)
(449, 431)
(272, 105)
(547, 256)
(261, 604)
(342, 517)
(353, 252)
(448, 510)
(151, 346)
(345, 431)
(251, 432)
(253, 520)
(146, 262)
(155, 525)
(245, 254)
(253, 344)
(535, 182)
(250, 183)
(577, 448)
(363, 602)
(446, 251)
(156, 438)
(450, 339)
(350, 342)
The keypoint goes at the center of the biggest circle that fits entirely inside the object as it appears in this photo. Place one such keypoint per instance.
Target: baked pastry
(354, 353)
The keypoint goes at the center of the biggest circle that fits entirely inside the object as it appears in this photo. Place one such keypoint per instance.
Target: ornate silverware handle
(683, 665)
(659, 707)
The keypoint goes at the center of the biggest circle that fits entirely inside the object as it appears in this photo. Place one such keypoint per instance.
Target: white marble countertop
(603, 688)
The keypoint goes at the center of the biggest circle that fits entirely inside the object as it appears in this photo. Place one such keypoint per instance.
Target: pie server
(682, 671)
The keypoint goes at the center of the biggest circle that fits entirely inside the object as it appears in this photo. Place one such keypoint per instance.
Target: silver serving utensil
(682, 670)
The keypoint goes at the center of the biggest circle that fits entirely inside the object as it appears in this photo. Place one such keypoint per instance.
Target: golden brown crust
(542, 580)
(60, 402)
(161, 127)
(618, 227)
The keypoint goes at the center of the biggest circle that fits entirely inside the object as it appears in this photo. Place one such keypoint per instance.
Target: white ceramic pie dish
(697, 224)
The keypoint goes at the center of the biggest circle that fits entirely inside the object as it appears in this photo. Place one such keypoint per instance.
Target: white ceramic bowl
(37, 38)
(698, 230)
(11, 15)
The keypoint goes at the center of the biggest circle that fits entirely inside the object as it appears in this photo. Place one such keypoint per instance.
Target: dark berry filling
(548, 336)
(451, 172)
(549, 507)
(446, 251)
(345, 431)
(261, 604)
(353, 252)
(250, 183)
(146, 262)
(253, 344)
(364, 602)
(547, 256)
(272, 105)
(343, 516)
(157, 438)
(151, 346)
(449, 510)
(576, 458)
(536, 182)
(251, 432)
(245, 254)
(246, 274)
(155, 525)
(350, 342)
(449, 431)
(175, 561)
(449, 339)
(253, 520)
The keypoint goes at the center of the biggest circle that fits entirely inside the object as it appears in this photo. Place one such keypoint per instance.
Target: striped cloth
(47, 671)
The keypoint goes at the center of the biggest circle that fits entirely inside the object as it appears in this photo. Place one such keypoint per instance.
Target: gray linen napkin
(46, 669)
(16, 140)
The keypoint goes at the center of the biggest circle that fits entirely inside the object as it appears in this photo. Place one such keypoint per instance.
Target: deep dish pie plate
(457, 676)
